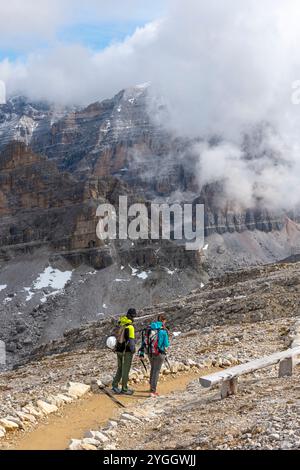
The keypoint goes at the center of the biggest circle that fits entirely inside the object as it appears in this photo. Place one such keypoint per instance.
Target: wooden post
(229, 387)
(286, 367)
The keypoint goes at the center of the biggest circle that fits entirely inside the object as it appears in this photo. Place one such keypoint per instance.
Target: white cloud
(223, 66)
(22, 23)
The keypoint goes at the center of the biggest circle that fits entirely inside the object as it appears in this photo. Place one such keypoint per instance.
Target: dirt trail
(89, 413)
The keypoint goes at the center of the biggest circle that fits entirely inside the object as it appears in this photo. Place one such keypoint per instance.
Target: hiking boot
(127, 392)
(116, 390)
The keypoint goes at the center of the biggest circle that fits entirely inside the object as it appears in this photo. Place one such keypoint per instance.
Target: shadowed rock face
(117, 138)
(41, 205)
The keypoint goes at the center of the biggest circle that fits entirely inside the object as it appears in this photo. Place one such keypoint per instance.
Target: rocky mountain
(120, 137)
(56, 166)
(115, 137)
(236, 318)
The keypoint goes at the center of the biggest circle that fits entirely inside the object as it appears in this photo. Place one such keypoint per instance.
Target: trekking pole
(168, 363)
(145, 367)
(110, 395)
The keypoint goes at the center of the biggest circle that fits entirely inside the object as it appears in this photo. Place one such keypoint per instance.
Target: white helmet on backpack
(111, 343)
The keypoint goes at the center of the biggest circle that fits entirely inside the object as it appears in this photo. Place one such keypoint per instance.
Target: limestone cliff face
(40, 204)
(115, 138)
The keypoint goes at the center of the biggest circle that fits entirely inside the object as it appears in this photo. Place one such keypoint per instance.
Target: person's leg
(128, 356)
(118, 376)
(151, 371)
(157, 365)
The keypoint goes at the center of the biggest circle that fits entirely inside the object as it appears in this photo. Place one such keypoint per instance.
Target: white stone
(112, 424)
(97, 435)
(88, 446)
(8, 425)
(46, 408)
(112, 433)
(30, 409)
(54, 400)
(110, 447)
(77, 390)
(175, 368)
(208, 363)
(16, 420)
(131, 418)
(26, 417)
(226, 363)
(64, 398)
(75, 444)
(90, 441)
(200, 365)
(106, 380)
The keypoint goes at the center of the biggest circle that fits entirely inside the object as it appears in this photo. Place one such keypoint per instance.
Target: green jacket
(129, 336)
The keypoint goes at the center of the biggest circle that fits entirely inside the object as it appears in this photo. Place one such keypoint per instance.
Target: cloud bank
(225, 69)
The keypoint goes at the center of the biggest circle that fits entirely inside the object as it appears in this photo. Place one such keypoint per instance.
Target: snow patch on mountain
(52, 278)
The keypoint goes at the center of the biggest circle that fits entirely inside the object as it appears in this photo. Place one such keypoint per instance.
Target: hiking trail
(91, 412)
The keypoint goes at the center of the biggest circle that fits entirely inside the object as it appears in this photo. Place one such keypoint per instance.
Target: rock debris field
(213, 328)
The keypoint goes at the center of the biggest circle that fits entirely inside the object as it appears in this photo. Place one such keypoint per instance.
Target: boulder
(88, 447)
(63, 398)
(46, 408)
(30, 409)
(131, 418)
(77, 390)
(106, 380)
(54, 401)
(16, 420)
(90, 441)
(8, 425)
(96, 435)
(75, 444)
(26, 417)
(112, 424)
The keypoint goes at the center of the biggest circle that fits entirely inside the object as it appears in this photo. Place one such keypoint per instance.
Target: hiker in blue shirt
(155, 341)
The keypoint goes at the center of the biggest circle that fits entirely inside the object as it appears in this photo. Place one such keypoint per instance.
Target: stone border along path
(29, 415)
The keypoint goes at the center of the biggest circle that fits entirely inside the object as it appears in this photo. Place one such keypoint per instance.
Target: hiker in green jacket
(125, 350)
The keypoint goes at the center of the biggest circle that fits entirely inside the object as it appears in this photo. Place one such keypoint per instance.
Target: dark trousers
(124, 365)
(156, 365)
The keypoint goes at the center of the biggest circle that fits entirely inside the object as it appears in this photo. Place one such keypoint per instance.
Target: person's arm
(167, 341)
(163, 342)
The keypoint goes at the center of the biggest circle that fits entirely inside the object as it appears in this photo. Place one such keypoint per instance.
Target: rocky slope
(56, 166)
(234, 319)
(246, 296)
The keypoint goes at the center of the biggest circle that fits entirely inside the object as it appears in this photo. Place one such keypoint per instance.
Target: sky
(221, 67)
